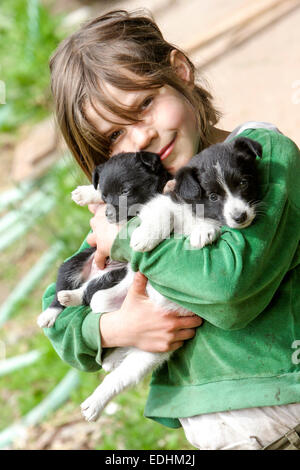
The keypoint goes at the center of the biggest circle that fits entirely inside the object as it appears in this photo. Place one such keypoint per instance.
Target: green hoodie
(246, 288)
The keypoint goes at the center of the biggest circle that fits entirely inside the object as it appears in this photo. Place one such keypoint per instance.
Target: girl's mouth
(165, 152)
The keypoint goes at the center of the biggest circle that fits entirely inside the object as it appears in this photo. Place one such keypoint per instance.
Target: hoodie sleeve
(75, 335)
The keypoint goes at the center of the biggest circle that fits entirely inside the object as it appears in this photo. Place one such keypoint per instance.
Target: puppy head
(198, 189)
(128, 180)
(240, 182)
(224, 179)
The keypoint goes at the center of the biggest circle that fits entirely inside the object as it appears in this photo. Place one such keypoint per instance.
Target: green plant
(29, 34)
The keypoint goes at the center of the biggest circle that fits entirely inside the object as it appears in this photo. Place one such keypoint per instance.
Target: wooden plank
(32, 278)
(222, 45)
(237, 19)
(7, 366)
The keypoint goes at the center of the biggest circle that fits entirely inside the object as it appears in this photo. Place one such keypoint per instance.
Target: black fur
(107, 281)
(70, 275)
(128, 180)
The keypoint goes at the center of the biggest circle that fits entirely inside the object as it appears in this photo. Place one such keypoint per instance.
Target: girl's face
(168, 125)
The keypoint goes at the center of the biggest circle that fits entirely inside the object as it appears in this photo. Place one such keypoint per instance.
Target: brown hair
(106, 49)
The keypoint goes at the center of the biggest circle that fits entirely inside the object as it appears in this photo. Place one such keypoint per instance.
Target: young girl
(119, 86)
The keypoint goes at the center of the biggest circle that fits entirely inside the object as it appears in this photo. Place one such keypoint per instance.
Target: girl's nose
(143, 135)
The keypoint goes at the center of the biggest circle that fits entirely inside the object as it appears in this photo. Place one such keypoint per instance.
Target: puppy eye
(244, 183)
(213, 197)
(125, 192)
(103, 197)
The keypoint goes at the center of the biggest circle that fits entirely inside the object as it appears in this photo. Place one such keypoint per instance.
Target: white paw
(142, 240)
(204, 234)
(47, 318)
(108, 365)
(87, 194)
(68, 298)
(80, 195)
(91, 408)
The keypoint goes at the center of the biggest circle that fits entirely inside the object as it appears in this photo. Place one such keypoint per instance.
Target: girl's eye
(213, 197)
(244, 183)
(115, 135)
(146, 103)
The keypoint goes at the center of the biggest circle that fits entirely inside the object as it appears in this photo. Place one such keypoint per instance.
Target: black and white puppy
(124, 182)
(219, 186)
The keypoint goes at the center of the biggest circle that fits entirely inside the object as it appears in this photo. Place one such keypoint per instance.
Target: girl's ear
(96, 175)
(181, 66)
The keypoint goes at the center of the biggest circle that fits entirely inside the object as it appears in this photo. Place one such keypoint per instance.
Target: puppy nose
(240, 217)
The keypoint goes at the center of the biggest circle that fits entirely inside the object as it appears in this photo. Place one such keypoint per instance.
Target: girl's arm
(73, 335)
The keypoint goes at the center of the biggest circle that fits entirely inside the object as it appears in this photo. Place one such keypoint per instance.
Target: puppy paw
(142, 240)
(205, 234)
(47, 318)
(69, 298)
(87, 194)
(91, 408)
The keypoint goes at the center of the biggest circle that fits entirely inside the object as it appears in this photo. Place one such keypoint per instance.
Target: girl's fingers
(100, 259)
(176, 345)
(188, 322)
(186, 333)
(92, 223)
(93, 207)
(139, 284)
(91, 239)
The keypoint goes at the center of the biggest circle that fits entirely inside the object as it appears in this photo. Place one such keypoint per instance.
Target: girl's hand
(103, 234)
(141, 324)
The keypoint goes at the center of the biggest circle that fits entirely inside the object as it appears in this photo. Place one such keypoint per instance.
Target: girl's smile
(166, 151)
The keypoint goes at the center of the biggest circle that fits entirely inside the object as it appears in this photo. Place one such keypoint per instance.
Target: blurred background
(247, 52)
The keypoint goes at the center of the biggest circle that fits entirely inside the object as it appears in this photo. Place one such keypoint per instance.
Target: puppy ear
(96, 175)
(187, 184)
(150, 160)
(250, 148)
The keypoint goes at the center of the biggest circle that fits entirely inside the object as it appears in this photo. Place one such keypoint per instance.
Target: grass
(29, 34)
